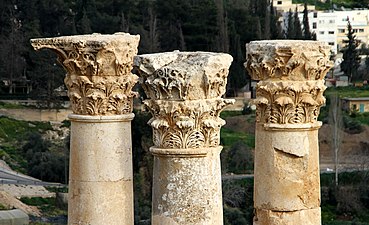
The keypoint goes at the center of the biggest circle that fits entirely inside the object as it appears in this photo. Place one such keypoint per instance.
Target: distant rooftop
(357, 99)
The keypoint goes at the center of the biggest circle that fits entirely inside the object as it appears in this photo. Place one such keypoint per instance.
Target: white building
(323, 24)
(331, 26)
(286, 5)
(359, 20)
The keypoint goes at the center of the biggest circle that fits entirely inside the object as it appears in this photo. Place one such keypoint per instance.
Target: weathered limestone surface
(289, 97)
(269, 217)
(99, 82)
(99, 78)
(184, 91)
(100, 184)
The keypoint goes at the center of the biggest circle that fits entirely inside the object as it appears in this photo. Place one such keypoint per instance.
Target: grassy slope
(350, 91)
(229, 136)
(12, 134)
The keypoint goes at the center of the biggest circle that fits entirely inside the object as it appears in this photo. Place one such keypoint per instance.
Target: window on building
(361, 30)
(331, 43)
(314, 25)
(330, 32)
(321, 32)
(354, 30)
(341, 30)
(331, 21)
(315, 15)
(345, 19)
(279, 2)
(362, 107)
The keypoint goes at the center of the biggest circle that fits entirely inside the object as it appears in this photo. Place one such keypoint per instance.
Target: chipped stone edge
(185, 152)
(293, 127)
(101, 119)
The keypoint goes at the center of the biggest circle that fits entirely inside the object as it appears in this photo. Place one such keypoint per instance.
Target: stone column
(184, 92)
(288, 99)
(99, 83)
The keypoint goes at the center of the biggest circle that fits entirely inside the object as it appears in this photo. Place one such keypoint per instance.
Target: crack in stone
(287, 154)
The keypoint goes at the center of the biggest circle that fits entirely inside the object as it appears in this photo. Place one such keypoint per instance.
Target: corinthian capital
(287, 60)
(291, 73)
(184, 91)
(99, 78)
(184, 75)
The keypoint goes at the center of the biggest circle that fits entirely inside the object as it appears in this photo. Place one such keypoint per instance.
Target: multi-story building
(331, 26)
(359, 20)
(324, 25)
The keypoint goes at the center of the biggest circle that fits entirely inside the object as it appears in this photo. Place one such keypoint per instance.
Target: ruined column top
(183, 75)
(90, 40)
(153, 62)
(294, 60)
(289, 43)
(99, 78)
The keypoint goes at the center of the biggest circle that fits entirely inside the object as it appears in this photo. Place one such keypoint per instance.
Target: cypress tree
(351, 59)
(297, 26)
(291, 33)
(275, 26)
(305, 22)
(267, 29)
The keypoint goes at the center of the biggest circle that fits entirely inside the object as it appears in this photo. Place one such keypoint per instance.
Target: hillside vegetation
(26, 147)
(336, 4)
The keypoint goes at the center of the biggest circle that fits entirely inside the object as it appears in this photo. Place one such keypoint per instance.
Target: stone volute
(99, 82)
(184, 91)
(99, 78)
(288, 100)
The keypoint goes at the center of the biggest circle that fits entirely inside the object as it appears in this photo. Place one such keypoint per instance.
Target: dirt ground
(12, 202)
(10, 194)
(354, 149)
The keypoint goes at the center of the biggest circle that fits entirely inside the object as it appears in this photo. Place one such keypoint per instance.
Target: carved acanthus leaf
(107, 95)
(289, 101)
(186, 124)
(99, 78)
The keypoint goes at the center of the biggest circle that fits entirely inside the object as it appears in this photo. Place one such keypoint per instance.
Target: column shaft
(188, 188)
(101, 170)
(286, 175)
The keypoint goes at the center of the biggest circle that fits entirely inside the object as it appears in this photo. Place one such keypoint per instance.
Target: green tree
(84, 25)
(43, 163)
(246, 23)
(199, 33)
(222, 40)
(240, 158)
(12, 59)
(46, 76)
(266, 28)
(171, 16)
(351, 59)
(275, 26)
(290, 33)
(297, 26)
(233, 216)
(366, 70)
(305, 22)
